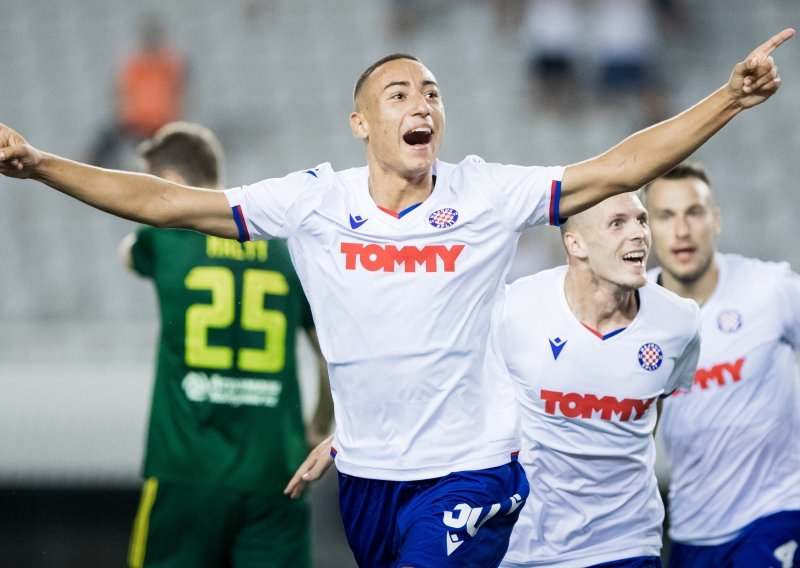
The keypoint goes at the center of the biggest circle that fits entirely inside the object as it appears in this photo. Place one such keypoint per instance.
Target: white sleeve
(526, 195)
(682, 375)
(274, 208)
(788, 303)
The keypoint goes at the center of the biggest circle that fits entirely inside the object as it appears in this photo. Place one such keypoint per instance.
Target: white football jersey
(733, 440)
(404, 307)
(588, 407)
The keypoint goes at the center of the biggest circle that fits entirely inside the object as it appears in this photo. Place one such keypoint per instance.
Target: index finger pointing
(772, 43)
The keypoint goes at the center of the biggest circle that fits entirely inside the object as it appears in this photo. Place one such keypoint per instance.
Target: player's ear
(574, 244)
(717, 221)
(358, 125)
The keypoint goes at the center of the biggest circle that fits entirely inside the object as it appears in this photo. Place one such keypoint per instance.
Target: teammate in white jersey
(403, 263)
(591, 347)
(733, 439)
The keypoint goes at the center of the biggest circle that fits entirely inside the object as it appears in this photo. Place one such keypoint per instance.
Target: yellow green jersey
(226, 406)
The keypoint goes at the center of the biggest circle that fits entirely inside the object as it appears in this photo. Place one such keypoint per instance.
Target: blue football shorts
(771, 541)
(635, 562)
(462, 520)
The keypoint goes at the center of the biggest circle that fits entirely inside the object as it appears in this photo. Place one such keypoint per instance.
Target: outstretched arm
(650, 153)
(138, 197)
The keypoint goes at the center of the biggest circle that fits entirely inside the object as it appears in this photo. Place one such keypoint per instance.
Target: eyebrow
(673, 209)
(425, 83)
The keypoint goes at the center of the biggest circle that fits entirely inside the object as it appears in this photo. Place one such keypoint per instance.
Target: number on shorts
(785, 553)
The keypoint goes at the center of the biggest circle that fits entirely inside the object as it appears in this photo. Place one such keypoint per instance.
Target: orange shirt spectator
(149, 93)
(151, 87)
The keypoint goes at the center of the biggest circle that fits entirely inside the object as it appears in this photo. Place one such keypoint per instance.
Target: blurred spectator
(508, 14)
(552, 34)
(672, 14)
(149, 94)
(258, 13)
(403, 16)
(626, 35)
(606, 48)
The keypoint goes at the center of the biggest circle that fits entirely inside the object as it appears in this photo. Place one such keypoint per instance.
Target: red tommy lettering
(374, 257)
(572, 405)
(550, 399)
(350, 251)
(722, 374)
(449, 256)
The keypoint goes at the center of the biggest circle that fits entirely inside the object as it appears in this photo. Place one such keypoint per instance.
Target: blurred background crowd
(524, 81)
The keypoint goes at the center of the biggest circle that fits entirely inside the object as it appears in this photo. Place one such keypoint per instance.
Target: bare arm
(138, 197)
(125, 250)
(651, 152)
(320, 426)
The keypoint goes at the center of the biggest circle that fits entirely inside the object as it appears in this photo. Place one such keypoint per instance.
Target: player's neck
(396, 193)
(600, 305)
(699, 289)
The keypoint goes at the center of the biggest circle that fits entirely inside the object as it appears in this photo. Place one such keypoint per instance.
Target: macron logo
(453, 542)
(556, 345)
(357, 221)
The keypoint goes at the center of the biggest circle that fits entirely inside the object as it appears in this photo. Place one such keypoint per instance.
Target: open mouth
(418, 136)
(635, 258)
(683, 254)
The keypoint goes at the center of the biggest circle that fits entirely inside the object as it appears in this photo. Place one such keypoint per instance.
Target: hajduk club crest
(650, 356)
(443, 218)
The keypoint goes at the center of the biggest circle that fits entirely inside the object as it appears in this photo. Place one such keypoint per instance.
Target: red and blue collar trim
(607, 335)
(400, 215)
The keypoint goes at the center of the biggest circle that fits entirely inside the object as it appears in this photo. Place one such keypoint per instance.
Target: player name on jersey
(217, 247)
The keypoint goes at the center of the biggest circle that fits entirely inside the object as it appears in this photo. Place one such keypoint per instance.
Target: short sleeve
(529, 195)
(274, 208)
(683, 373)
(788, 299)
(142, 252)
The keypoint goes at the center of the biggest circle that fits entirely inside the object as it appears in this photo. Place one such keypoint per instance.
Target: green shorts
(179, 525)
